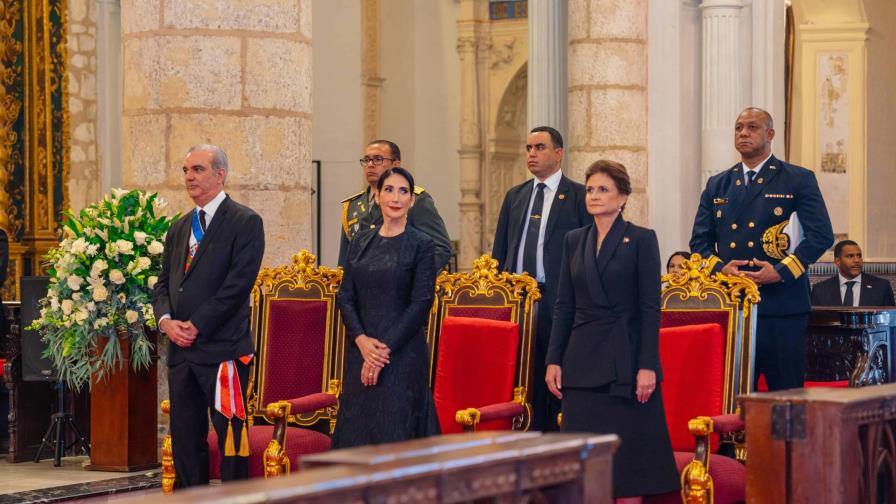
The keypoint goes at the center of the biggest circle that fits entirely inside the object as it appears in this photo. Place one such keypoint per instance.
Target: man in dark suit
(201, 300)
(851, 287)
(748, 223)
(360, 210)
(534, 219)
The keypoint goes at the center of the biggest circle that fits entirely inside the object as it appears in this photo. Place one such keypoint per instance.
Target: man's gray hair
(219, 157)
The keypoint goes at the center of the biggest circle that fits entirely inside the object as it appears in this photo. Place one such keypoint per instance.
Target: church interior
(105, 94)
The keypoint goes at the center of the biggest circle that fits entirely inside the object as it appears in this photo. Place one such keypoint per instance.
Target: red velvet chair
(706, 350)
(293, 390)
(480, 333)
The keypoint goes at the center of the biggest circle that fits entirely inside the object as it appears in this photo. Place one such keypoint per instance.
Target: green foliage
(101, 280)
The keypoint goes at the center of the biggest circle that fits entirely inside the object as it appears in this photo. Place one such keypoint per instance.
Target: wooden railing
(568, 468)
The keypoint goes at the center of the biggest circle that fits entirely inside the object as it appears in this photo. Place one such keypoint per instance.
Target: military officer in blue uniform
(360, 210)
(744, 226)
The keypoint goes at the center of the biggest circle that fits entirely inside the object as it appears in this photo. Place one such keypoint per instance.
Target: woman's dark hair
(615, 171)
(682, 253)
(396, 170)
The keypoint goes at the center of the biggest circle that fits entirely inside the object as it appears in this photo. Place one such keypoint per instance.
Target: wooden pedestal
(123, 417)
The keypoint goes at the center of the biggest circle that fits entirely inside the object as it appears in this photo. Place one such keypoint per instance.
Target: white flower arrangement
(101, 280)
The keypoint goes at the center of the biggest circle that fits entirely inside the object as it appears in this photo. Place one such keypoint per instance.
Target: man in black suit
(201, 300)
(851, 287)
(534, 219)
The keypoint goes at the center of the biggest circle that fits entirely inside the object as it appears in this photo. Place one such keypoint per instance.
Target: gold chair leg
(276, 462)
(167, 466)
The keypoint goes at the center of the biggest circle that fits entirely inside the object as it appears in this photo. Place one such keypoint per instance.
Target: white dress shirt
(754, 169)
(856, 288)
(210, 208)
(552, 182)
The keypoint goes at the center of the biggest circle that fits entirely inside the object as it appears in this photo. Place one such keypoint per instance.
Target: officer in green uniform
(360, 210)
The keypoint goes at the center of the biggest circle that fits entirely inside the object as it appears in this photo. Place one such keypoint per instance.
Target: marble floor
(23, 481)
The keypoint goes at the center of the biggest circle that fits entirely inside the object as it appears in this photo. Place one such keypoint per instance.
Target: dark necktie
(750, 176)
(202, 219)
(530, 249)
(847, 296)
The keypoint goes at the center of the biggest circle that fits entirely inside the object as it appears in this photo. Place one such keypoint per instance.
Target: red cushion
(832, 384)
(294, 354)
(693, 360)
(482, 312)
(675, 318)
(298, 442)
(476, 367)
(2, 365)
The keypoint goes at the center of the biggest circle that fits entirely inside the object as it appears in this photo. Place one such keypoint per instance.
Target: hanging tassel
(244, 441)
(229, 450)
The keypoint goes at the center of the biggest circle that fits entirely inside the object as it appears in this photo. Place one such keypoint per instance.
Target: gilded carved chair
(707, 351)
(293, 389)
(480, 333)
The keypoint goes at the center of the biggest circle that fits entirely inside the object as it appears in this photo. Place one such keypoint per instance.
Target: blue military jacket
(738, 222)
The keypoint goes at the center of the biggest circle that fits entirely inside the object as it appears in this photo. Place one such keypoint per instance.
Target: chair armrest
(726, 424)
(695, 478)
(470, 417)
(311, 402)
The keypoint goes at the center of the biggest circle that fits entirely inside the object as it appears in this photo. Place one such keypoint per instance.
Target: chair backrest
(697, 296)
(693, 360)
(299, 336)
(476, 366)
(486, 293)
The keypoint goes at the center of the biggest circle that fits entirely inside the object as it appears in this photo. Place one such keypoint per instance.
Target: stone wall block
(619, 19)
(577, 26)
(636, 208)
(618, 117)
(614, 63)
(267, 85)
(264, 152)
(287, 220)
(305, 18)
(577, 129)
(139, 15)
(143, 150)
(255, 15)
(141, 74)
(201, 72)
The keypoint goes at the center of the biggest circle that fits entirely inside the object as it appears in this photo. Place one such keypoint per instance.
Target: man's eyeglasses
(376, 160)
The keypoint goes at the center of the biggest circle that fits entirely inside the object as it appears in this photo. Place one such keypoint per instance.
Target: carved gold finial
(167, 465)
(166, 407)
(696, 484)
(700, 426)
(484, 278)
(467, 417)
(696, 279)
(276, 462)
(279, 409)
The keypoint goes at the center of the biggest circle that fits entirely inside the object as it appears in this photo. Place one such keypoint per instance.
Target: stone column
(238, 75)
(608, 91)
(546, 101)
(469, 42)
(722, 83)
(108, 85)
(83, 179)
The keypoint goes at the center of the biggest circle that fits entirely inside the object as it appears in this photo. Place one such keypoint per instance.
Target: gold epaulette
(418, 190)
(353, 196)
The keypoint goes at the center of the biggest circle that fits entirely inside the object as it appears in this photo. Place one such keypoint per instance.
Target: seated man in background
(851, 287)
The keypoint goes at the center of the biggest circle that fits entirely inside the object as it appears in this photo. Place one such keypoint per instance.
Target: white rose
(155, 248)
(54, 303)
(80, 316)
(76, 296)
(79, 246)
(92, 249)
(91, 306)
(74, 282)
(116, 277)
(100, 322)
(100, 293)
(67, 306)
(124, 246)
(111, 250)
(139, 237)
(151, 281)
(131, 316)
(121, 297)
(98, 267)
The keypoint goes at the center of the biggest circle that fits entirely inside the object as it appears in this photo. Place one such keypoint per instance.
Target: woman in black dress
(603, 357)
(386, 293)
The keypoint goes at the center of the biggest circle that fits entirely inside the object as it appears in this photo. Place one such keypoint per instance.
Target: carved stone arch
(505, 166)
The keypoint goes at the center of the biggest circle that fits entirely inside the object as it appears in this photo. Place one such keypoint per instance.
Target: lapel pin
(778, 211)
(718, 213)
(625, 239)
(760, 180)
(561, 196)
(739, 182)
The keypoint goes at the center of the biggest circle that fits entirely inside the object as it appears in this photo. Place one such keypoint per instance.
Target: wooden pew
(568, 468)
(821, 445)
